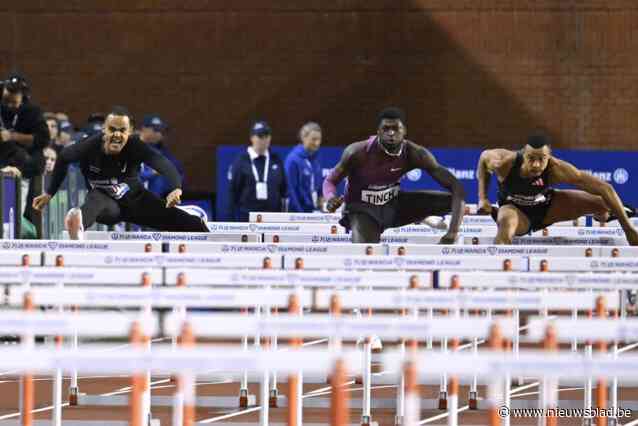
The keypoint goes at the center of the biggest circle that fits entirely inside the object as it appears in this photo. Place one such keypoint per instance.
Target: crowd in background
(31, 140)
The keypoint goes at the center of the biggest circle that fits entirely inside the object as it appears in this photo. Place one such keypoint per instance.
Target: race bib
(111, 187)
(528, 200)
(379, 197)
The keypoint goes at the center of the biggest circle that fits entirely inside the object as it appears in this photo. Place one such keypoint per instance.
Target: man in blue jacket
(152, 133)
(303, 171)
(257, 178)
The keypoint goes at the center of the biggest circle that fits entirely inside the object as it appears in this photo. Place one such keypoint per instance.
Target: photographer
(23, 130)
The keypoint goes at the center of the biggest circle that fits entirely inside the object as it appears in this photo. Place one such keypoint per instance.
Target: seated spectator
(303, 171)
(23, 131)
(257, 178)
(153, 133)
(53, 126)
(50, 156)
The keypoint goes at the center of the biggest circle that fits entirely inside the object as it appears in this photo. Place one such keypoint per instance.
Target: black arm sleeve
(159, 163)
(69, 154)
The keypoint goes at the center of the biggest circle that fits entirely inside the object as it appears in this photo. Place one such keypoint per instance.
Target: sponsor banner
(346, 238)
(569, 241)
(621, 330)
(450, 299)
(619, 252)
(618, 168)
(163, 260)
(11, 257)
(548, 237)
(307, 228)
(268, 217)
(70, 275)
(84, 246)
(571, 232)
(492, 263)
(297, 278)
(169, 236)
(274, 248)
(530, 280)
(471, 231)
(160, 297)
(490, 250)
(607, 264)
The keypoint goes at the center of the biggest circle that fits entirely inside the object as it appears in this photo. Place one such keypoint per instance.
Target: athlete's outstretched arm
(564, 172)
(491, 161)
(341, 170)
(69, 154)
(446, 179)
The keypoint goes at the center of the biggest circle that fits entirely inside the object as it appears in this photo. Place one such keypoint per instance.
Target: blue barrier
(616, 167)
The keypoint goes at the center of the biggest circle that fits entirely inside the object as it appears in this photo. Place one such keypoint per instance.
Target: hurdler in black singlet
(532, 196)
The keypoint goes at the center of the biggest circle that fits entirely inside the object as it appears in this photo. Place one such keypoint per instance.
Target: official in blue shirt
(257, 178)
(152, 133)
(303, 171)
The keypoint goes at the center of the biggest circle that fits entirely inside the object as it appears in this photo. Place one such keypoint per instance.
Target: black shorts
(535, 214)
(407, 208)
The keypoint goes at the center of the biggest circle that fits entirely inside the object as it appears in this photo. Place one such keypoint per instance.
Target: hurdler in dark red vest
(373, 199)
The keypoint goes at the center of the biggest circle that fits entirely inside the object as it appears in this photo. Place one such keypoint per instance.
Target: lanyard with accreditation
(261, 188)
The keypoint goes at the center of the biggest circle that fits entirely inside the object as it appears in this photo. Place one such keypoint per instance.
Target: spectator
(52, 124)
(65, 134)
(257, 179)
(54, 130)
(94, 124)
(50, 157)
(152, 133)
(303, 171)
(23, 131)
(28, 231)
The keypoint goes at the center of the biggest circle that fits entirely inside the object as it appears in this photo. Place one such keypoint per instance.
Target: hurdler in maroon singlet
(373, 186)
(375, 176)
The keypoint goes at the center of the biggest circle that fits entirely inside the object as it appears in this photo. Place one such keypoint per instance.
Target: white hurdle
(492, 366)
(29, 323)
(167, 237)
(406, 262)
(160, 260)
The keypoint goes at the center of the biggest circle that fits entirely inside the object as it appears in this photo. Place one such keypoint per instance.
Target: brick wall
(468, 72)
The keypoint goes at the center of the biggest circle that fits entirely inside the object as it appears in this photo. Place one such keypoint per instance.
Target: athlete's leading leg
(364, 228)
(511, 222)
(97, 207)
(146, 209)
(570, 204)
